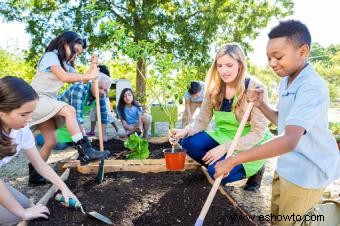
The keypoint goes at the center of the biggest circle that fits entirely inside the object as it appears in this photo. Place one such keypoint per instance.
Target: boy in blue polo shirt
(308, 155)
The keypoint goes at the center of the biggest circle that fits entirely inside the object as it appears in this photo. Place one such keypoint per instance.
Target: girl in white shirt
(17, 102)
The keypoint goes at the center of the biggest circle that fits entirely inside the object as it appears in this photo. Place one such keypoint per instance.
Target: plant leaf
(139, 147)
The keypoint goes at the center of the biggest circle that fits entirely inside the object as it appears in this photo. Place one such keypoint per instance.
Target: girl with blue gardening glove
(17, 102)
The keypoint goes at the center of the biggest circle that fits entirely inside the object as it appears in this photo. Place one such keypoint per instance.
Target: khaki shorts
(47, 108)
(289, 199)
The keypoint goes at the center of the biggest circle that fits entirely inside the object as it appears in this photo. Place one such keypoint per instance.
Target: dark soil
(130, 198)
(118, 151)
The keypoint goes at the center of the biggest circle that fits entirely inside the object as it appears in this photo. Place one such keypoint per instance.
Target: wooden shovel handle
(230, 152)
(240, 129)
(99, 119)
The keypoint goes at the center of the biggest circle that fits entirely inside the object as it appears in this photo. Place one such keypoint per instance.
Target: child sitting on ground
(131, 115)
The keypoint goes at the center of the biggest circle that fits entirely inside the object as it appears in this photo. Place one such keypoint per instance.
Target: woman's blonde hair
(216, 88)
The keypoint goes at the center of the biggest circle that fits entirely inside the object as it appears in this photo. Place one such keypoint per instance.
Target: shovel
(76, 204)
(100, 174)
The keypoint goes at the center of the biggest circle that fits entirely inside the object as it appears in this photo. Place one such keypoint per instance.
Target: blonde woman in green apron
(225, 101)
(55, 68)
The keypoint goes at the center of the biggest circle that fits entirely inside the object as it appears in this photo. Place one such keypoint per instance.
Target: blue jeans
(61, 146)
(198, 145)
(39, 140)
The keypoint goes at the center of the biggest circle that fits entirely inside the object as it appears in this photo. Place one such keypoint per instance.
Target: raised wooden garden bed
(143, 192)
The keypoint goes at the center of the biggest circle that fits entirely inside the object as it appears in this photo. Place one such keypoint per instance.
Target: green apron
(63, 136)
(226, 127)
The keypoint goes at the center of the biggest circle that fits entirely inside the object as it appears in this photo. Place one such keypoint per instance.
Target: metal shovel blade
(100, 217)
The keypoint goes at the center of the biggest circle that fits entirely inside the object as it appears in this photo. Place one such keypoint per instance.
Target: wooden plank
(76, 163)
(115, 165)
(134, 166)
(135, 161)
(51, 191)
(69, 164)
(155, 140)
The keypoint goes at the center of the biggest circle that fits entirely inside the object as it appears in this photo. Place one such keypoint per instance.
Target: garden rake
(204, 211)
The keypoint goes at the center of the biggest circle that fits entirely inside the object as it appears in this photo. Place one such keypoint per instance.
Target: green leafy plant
(139, 147)
(335, 129)
(337, 137)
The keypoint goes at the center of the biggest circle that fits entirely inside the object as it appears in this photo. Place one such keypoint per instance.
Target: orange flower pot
(174, 159)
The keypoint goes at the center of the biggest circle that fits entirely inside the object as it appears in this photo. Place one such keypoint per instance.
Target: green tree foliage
(182, 28)
(327, 56)
(325, 60)
(14, 65)
(169, 82)
(269, 79)
(331, 74)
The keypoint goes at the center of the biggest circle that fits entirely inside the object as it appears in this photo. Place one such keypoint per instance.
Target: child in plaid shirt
(82, 98)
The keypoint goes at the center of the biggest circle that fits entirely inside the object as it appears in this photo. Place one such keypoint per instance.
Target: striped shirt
(75, 96)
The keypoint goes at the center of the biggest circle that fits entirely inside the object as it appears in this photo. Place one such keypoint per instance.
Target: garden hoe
(92, 214)
(204, 211)
(100, 174)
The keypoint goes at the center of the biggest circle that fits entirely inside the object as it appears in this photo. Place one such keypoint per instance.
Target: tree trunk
(140, 81)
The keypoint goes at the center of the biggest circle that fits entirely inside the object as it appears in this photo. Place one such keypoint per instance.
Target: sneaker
(91, 134)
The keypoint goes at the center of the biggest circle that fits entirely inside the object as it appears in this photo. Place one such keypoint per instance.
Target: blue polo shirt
(315, 162)
(50, 59)
(131, 114)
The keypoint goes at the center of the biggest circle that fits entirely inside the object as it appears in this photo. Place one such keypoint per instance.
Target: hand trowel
(77, 204)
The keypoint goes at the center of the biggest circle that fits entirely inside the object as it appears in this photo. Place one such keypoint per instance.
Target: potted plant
(166, 98)
(167, 91)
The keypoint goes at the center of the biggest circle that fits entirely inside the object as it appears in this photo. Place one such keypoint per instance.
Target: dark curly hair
(194, 87)
(294, 30)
